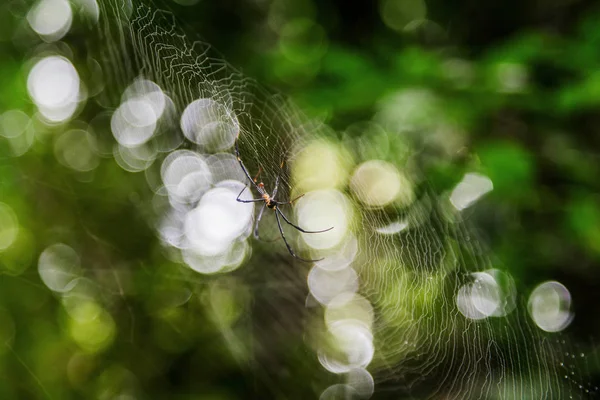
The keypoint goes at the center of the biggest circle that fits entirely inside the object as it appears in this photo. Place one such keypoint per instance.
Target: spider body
(271, 203)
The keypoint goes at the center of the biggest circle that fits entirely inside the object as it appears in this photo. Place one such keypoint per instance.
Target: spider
(272, 204)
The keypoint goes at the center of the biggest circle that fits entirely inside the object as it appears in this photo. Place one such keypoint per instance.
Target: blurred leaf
(510, 167)
(584, 218)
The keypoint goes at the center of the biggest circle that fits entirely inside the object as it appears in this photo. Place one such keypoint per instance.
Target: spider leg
(291, 201)
(246, 201)
(276, 187)
(256, 235)
(237, 153)
(277, 212)
(260, 213)
(296, 226)
(276, 184)
(257, 174)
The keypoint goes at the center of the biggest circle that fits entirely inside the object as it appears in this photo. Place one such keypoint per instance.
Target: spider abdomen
(269, 201)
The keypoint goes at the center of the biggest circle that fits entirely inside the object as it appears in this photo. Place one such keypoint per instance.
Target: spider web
(422, 345)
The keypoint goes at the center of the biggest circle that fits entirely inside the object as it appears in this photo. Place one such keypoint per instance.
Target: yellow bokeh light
(91, 327)
(377, 183)
(321, 165)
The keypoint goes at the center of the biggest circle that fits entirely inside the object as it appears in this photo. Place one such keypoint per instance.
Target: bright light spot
(91, 327)
(507, 290)
(227, 261)
(340, 256)
(147, 92)
(135, 121)
(59, 267)
(549, 305)
(218, 220)
(212, 235)
(76, 149)
(377, 183)
(186, 176)
(51, 19)
(392, 228)
(320, 210)
(9, 226)
(339, 392)
(362, 381)
(346, 306)
(202, 263)
(351, 346)
(492, 293)
(320, 165)
(54, 86)
(210, 125)
(52, 82)
(485, 293)
(397, 14)
(465, 304)
(325, 285)
(469, 190)
(212, 225)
